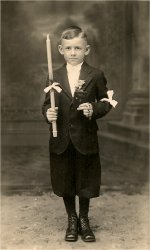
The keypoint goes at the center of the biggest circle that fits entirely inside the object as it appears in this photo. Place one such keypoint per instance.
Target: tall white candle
(49, 57)
(50, 73)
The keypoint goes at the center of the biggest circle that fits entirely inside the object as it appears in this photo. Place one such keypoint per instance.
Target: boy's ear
(60, 49)
(87, 50)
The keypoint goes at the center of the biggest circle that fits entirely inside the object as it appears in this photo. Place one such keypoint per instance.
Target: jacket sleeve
(100, 108)
(46, 105)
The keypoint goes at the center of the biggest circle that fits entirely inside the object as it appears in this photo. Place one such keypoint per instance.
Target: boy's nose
(73, 52)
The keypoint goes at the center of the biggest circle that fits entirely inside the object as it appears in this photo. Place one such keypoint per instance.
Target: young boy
(74, 158)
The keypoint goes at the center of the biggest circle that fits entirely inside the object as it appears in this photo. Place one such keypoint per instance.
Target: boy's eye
(76, 48)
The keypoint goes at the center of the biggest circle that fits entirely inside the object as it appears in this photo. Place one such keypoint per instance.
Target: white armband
(109, 99)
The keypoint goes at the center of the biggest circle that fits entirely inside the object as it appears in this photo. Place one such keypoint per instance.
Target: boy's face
(74, 50)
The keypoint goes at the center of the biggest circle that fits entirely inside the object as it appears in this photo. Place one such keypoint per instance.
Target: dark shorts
(73, 173)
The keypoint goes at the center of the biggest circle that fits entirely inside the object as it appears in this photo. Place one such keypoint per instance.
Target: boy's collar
(78, 66)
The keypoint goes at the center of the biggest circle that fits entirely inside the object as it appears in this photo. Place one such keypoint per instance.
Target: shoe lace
(84, 222)
(72, 222)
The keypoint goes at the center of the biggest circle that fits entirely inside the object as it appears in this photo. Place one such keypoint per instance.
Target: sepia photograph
(74, 125)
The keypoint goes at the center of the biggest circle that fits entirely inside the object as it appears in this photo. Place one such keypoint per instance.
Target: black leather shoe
(85, 230)
(72, 230)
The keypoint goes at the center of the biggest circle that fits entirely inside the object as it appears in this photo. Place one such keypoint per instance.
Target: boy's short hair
(72, 32)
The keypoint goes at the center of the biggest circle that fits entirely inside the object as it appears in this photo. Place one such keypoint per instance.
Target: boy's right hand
(52, 114)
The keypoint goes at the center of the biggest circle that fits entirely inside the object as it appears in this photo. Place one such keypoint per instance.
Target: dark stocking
(70, 205)
(84, 207)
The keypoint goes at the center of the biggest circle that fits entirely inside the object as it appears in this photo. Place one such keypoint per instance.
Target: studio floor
(38, 222)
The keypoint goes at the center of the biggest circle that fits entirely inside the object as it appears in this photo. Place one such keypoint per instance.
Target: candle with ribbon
(51, 87)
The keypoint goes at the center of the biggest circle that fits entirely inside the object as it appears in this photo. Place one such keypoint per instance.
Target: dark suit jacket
(71, 123)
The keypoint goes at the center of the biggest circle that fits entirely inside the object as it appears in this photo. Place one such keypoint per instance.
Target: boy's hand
(87, 109)
(52, 114)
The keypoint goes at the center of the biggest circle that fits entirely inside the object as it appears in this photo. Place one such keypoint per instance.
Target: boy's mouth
(73, 59)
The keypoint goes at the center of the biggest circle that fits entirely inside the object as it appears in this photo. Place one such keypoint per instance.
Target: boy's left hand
(87, 109)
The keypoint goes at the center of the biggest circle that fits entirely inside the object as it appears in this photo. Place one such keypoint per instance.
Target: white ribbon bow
(53, 86)
(109, 99)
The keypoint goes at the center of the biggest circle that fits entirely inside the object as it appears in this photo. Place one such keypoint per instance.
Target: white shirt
(73, 75)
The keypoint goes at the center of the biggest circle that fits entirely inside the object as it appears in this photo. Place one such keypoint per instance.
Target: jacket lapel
(64, 82)
(85, 74)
